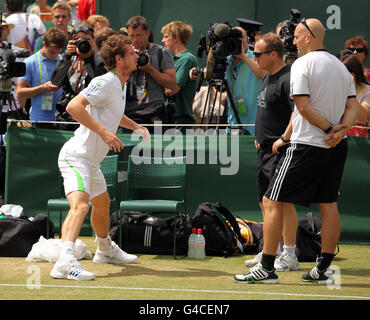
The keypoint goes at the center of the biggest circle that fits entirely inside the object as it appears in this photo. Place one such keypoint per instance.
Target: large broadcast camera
(221, 41)
(287, 36)
(8, 67)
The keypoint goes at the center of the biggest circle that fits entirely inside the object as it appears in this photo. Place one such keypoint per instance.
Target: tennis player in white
(99, 109)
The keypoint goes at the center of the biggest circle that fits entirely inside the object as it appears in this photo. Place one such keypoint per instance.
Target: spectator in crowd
(244, 79)
(273, 132)
(145, 90)
(85, 9)
(26, 28)
(362, 94)
(76, 68)
(279, 26)
(102, 35)
(74, 5)
(61, 16)
(5, 28)
(36, 84)
(311, 169)
(97, 22)
(176, 36)
(360, 47)
(42, 9)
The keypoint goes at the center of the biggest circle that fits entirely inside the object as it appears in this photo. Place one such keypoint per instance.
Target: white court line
(185, 290)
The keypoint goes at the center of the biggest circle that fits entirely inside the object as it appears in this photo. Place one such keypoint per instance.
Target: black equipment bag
(151, 234)
(17, 235)
(221, 239)
(308, 242)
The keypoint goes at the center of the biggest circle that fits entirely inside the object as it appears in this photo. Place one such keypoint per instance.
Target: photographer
(244, 78)
(145, 102)
(79, 65)
(36, 84)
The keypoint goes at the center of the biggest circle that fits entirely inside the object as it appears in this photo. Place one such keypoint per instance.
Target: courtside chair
(155, 185)
(109, 168)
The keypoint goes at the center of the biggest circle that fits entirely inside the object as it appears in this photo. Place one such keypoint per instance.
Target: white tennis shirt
(328, 84)
(107, 100)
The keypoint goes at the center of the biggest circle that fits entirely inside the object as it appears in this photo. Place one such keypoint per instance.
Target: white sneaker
(254, 261)
(113, 255)
(286, 262)
(70, 269)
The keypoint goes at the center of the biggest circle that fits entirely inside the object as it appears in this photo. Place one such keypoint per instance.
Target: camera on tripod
(8, 67)
(287, 36)
(222, 40)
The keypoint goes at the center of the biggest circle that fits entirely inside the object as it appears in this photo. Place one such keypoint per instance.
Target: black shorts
(266, 166)
(307, 174)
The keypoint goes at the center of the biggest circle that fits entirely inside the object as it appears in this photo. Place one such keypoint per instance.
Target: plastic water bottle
(200, 245)
(191, 243)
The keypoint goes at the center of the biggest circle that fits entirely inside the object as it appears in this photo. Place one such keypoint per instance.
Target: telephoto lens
(143, 59)
(83, 45)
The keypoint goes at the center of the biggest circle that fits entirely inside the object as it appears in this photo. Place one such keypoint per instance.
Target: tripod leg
(206, 104)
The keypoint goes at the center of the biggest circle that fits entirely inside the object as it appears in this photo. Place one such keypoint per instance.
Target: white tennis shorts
(80, 174)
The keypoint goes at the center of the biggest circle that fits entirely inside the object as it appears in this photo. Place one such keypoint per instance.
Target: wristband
(328, 129)
(282, 139)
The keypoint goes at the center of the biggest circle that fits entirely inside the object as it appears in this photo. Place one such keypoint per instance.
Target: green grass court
(155, 277)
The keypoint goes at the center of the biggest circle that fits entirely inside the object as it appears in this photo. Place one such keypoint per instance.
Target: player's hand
(113, 142)
(143, 132)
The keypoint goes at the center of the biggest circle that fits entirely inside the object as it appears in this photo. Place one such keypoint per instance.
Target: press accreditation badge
(47, 102)
(241, 106)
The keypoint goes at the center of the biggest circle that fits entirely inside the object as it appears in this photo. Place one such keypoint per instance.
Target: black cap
(249, 25)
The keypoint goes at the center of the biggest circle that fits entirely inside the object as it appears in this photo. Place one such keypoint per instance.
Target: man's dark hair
(15, 5)
(273, 42)
(137, 21)
(54, 36)
(114, 46)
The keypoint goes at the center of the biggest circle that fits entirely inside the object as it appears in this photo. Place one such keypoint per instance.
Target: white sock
(289, 249)
(104, 243)
(67, 250)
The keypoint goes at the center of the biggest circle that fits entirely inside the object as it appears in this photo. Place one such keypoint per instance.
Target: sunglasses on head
(359, 50)
(303, 21)
(258, 54)
(82, 29)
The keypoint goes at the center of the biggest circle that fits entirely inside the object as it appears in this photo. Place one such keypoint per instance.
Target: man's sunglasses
(303, 21)
(258, 54)
(359, 50)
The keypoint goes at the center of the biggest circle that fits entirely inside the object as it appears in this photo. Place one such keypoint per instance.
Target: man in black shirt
(272, 131)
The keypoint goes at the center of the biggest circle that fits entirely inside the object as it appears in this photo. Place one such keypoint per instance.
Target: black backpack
(308, 241)
(221, 239)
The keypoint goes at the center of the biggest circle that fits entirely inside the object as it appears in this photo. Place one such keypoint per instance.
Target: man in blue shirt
(244, 79)
(36, 84)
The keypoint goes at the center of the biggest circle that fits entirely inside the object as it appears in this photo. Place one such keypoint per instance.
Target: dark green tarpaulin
(32, 175)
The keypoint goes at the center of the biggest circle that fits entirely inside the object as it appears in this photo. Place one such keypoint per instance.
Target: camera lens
(142, 60)
(83, 45)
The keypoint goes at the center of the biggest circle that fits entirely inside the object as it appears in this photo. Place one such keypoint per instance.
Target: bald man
(325, 107)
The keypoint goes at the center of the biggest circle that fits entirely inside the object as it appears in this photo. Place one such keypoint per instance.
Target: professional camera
(143, 58)
(83, 45)
(8, 67)
(221, 41)
(287, 36)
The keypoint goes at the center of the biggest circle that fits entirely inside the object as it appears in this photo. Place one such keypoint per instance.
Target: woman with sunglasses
(360, 48)
(362, 95)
